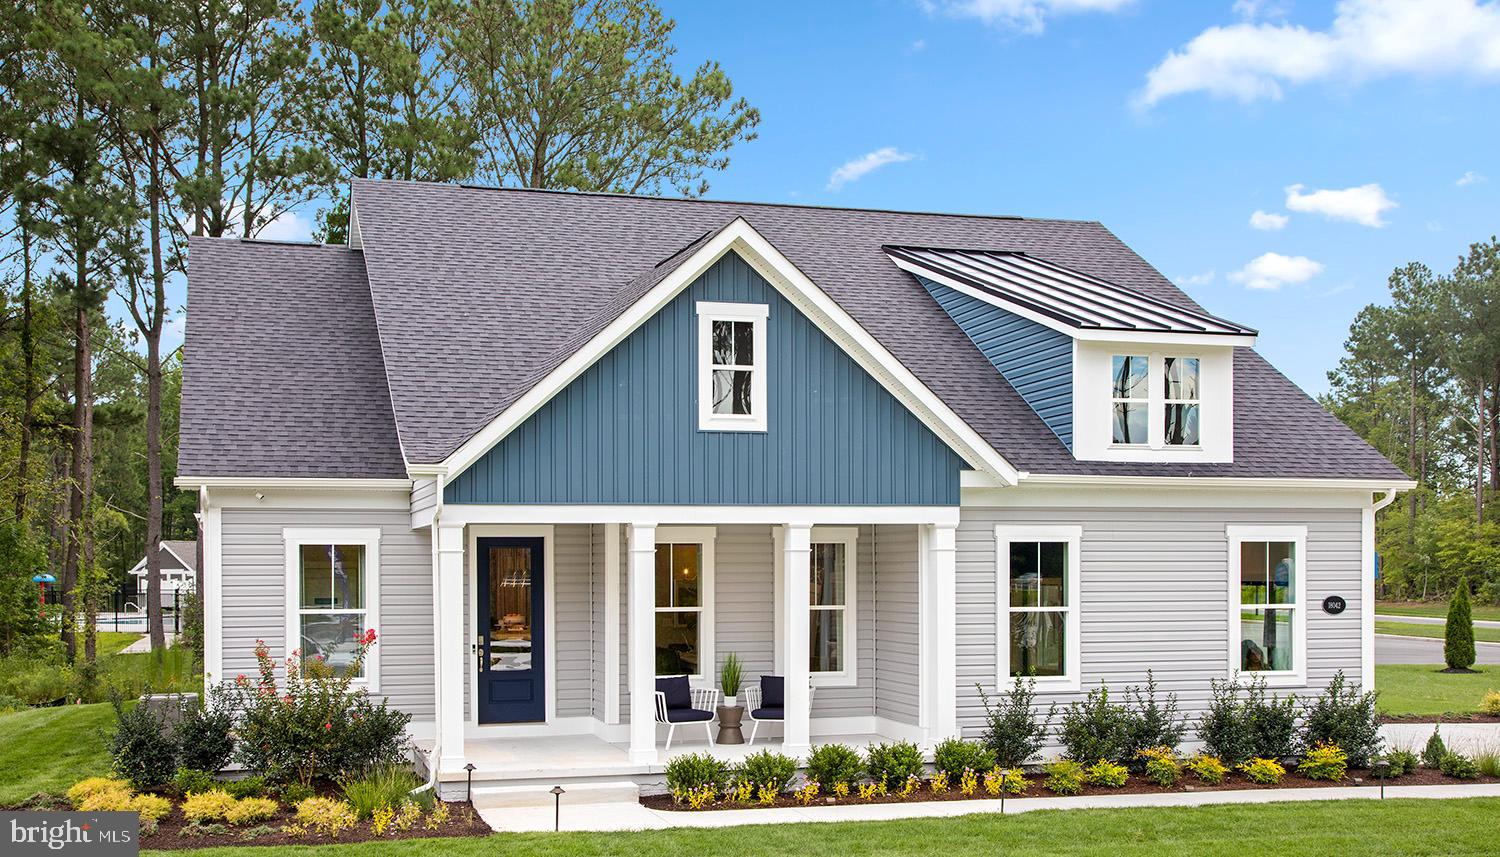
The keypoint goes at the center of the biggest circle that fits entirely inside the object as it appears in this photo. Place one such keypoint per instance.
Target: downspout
(437, 633)
(1388, 499)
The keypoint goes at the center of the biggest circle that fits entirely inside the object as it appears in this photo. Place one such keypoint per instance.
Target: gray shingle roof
(477, 290)
(283, 373)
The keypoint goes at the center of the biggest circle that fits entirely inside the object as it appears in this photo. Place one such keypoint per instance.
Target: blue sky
(1170, 122)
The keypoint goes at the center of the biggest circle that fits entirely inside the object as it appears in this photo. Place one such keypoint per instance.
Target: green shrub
(1064, 777)
(248, 787)
(891, 764)
(1149, 723)
(1488, 761)
(294, 793)
(1458, 766)
(690, 773)
(767, 768)
(1342, 715)
(1433, 753)
(1458, 632)
(188, 780)
(1258, 725)
(203, 733)
(832, 764)
(141, 746)
(1161, 766)
(1325, 761)
(955, 755)
(1014, 730)
(1095, 728)
(1210, 770)
(1107, 774)
(382, 787)
(1266, 772)
(1402, 762)
(1273, 721)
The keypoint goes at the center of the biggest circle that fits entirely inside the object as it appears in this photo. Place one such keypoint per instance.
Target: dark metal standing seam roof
(1060, 293)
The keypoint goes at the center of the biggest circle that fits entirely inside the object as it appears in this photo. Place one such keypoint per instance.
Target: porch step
(540, 795)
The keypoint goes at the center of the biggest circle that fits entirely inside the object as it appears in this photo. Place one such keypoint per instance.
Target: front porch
(622, 603)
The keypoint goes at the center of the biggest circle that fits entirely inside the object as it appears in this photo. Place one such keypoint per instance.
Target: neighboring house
(553, 444)
(178, 571)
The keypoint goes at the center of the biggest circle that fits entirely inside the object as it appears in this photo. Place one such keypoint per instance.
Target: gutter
(437, 677)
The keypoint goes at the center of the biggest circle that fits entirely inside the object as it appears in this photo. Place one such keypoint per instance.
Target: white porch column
(611, 624)
(941, 649)
(641, 648)
(796, 564)
(452, 656)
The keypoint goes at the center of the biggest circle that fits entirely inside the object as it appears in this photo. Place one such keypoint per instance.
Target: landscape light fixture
(1382, 770)
(557, 793)
(469, 786)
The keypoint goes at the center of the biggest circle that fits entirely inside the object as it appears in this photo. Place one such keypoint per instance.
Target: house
(552, 445)
(178, 571)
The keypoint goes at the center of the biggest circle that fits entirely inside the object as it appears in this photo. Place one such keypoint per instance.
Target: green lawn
(111, 642)
(1423, 690)
(1391, 827)
(1435, 609)
(1412, 629)
(49, 749)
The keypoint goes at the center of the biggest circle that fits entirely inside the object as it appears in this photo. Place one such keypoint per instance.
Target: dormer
(1116, 374)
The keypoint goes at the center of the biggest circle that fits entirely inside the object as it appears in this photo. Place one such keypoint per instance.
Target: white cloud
(1026, 16)
(1249, 10)
(853, 171)
(1470, 177)
(1271, 271)
(919, 45)
(1362, 205)
(1267, 221)
(1202, 279)
(289, 226)
(1367, 39)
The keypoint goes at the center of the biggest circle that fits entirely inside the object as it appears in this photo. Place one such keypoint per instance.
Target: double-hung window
(1267, 610)
(1145, 388)
(1129, 395)
(1037, 592)
(332, 596)
(832, 605)
(732, 366)
(1180, 386)
(684, 602)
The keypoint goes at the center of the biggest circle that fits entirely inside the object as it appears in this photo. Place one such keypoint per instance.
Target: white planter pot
(731, 701)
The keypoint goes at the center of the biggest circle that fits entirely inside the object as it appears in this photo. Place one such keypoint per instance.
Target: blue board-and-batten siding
(1034, 358)
(626, 430)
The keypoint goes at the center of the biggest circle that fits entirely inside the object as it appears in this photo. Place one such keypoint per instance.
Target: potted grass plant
(729, 679)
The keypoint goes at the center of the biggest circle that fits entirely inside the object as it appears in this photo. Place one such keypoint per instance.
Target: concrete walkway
(144, 645)
(1432, 620)
(633, 816)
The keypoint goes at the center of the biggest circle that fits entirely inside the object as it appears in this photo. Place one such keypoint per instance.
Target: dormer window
(1132, 400)
(1135, 400)
(732, 366)
(1180, 378)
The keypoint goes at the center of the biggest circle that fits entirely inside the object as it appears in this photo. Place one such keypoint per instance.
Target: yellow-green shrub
(1064, 777)
(1491, 703)
(1208, 769)
(93, 785)
(1266, 772)
(108, 800)
(150, 807)
(1162, 766)
(1107, 774)
(1326, 761)
(247, 810)
(208, 806)
(325, 815)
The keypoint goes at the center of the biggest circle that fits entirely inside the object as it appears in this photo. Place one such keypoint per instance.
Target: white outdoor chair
(703, 701)
(752, 705)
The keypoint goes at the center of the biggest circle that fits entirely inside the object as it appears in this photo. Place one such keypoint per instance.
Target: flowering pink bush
(311, 724)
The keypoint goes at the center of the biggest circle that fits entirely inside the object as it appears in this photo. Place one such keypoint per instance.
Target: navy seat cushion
(777, 713)
(676, 690)
(771, 691)
(688, 715)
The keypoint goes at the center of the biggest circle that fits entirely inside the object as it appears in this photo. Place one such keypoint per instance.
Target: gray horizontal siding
(254, 595)
(573, 636)
(1155, 596)
(897, 628)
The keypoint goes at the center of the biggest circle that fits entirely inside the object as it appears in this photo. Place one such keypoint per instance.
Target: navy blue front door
(512, 658)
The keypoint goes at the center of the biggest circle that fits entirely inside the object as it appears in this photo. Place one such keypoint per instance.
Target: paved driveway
(1416, 650)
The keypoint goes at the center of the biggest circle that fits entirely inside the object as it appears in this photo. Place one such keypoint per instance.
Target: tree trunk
(154, 488)
(1479, 425)
(1411, 455)
(28, 367)
(81, 479)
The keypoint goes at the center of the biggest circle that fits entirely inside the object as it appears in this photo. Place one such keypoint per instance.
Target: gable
(626, 429)
(1034, 358)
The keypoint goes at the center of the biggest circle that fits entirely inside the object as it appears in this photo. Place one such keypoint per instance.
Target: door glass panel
(510, 608)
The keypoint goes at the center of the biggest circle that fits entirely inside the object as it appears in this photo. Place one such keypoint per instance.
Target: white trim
(740, 237)
(611, 623)
(1094, 401)
(292, 539)
(478, 513)
(1083, 333)
(849, 675)
(1072, 536)
(549, 608)
(796, 548)
(707, 664)
(283, 482)
(640, 648)
(1367, 590)
(758, 317)
(941, 587)
(1236, 534)
(213, 586)
(971, 479)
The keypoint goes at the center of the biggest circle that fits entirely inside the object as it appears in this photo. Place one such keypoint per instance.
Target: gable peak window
(732, 366)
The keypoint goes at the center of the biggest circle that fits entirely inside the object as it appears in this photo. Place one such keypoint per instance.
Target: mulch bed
(169, 835)
(1136, 785)
(1472, 717)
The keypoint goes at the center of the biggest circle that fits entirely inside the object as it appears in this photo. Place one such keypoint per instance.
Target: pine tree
(1458, 636)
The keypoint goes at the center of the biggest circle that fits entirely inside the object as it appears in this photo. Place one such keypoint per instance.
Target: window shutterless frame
(757, 316)
(1237, 536)
(703, 537)
(294, 538)
(848, 537)
(1156, 402)
(1071, 537)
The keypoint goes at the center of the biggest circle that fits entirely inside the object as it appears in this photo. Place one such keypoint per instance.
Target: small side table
(729, 724)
